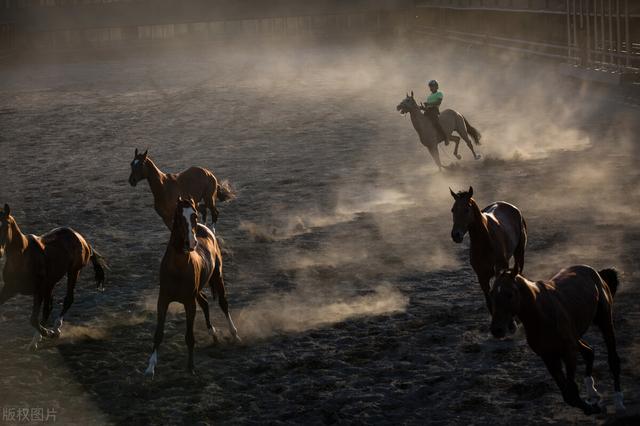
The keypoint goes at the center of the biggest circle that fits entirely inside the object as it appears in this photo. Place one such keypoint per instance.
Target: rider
(432, 109)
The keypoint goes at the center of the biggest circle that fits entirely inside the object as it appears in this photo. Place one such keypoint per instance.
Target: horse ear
(144, 154)
(453, 194)
(412, 93)
(7, 209)
(136, 153)
(471, 191)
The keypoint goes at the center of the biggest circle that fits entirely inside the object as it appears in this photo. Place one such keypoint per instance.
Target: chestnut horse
(555, 315)
(35, 264)
(497, 233)
(192, 259)
(196, 183)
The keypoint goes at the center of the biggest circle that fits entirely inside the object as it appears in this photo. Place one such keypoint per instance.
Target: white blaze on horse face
(153, 360)
(187, 213)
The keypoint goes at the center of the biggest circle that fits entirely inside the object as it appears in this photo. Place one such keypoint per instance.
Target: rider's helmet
(433, 83)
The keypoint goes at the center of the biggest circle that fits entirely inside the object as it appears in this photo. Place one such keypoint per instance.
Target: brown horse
(196, 183)
(192, 259)
(497, 233)
(35, 264)
(555, 315)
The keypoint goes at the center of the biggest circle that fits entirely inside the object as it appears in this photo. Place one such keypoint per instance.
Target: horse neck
(19, 241)
(417, 119)
(155, 177)
(478, 229)
(529, 312)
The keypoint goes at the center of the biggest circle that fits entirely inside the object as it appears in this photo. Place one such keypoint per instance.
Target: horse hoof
(459, 157)
(149, 373)
(478, 156)
(192, 371)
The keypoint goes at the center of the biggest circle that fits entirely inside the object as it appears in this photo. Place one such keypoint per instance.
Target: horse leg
(190, 310)
(47, 307)
(163, 305)
(518, 254)
(72, 279)
(35, 323)
(470, 145)
(484, 285)
(605, 323)
(571, 394)
(210, 203)
(593, 397)
(217, 285)
(436, 156)
(204, 305)
(455, 151)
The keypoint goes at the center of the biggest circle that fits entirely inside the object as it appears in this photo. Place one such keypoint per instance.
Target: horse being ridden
(191, 261)
(196, 183)
(450, 120)
(555, 315)
(497, 233)
(35, 264)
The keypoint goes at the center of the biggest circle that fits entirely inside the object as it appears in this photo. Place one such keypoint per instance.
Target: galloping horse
(192, 259)
(35, 264)
(497, 233)
(555, 315)
(196, 183)
(449, 119)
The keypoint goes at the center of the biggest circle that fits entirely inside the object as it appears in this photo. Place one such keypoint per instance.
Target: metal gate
(599, 35)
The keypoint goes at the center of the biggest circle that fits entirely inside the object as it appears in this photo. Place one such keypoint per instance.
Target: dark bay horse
(497, 233)
(450, 120)
(35, 264)
(191, 261)
(196, 183)
(555, 315)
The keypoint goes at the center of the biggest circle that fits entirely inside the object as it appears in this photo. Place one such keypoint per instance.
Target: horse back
(505, 224)
(579, 290)
(64, 249)
(196, 182)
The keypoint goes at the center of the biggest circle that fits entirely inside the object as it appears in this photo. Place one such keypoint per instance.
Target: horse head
(462, 214)
(5, 228)
(408, 104)
(505, 301)
(137, 168)
(185, 223)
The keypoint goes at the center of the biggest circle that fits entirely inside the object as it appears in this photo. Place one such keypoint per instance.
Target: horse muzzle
(457, 236)
(132, 181)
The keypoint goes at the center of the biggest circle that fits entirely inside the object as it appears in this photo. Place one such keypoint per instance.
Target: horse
(192, 259)
(449, 119)
(196, 182)
(555, 315)
(497, 233)
(34, 265)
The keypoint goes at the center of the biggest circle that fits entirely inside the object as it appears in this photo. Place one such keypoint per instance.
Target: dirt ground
(353, 303)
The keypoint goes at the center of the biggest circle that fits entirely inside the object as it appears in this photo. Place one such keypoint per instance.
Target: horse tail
(99, 265)
(225, 191)
(473, 132)
(610, 276)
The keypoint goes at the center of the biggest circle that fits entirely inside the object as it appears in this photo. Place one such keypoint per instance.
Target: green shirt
(434, 99)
